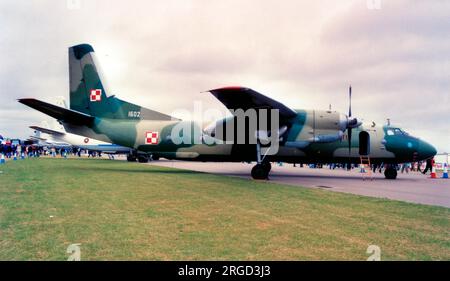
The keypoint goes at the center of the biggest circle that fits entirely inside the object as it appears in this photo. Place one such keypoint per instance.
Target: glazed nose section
(426, 150)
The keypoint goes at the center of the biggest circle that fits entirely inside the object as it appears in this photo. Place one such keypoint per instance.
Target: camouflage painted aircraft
(304, 136)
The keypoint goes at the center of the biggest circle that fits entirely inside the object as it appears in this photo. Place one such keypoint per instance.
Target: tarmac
(412, 187)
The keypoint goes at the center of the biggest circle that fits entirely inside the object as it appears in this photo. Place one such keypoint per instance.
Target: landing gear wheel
(390, 173)
(142, 159)
(267, 166)
(131, 158)
(260, 172)
(155, 157)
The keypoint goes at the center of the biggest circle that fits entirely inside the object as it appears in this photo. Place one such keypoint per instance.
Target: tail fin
(55, 125)
(61, 101)
(44, 124)
(89, 95)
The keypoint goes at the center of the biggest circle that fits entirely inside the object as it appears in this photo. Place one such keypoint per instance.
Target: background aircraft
(305, 136)
(45, 139)
(57, 137)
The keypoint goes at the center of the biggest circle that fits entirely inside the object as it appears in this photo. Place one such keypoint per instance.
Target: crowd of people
(403, 168)
(12, 150)
(410, 167)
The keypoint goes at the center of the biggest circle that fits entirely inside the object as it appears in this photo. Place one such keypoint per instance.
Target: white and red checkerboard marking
(151, 137)
(96, 95)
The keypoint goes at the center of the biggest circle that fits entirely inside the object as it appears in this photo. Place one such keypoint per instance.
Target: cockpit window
(396, 131)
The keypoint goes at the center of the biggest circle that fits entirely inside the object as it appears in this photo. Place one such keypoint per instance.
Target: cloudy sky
(165, 54)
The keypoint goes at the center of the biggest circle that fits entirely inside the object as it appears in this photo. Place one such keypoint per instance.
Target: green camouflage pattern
(311, 136)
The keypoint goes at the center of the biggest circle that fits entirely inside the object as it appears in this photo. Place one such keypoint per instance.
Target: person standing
(429, 166)
(19, 150)
(405, 167)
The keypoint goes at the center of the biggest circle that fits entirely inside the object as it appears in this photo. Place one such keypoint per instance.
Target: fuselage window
(390, 132)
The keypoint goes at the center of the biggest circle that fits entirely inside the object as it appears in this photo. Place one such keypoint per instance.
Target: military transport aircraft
(302, 136)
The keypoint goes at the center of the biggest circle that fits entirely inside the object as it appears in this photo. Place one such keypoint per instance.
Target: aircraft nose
(426, 150)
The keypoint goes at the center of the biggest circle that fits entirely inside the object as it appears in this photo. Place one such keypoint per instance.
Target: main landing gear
(261, 170)
(390, 172)
(131, 158)
(140, 157)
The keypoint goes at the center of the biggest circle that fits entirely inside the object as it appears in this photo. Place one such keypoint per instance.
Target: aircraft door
(364, 143)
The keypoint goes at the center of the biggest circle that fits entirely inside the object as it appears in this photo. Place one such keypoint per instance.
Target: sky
(164, 55)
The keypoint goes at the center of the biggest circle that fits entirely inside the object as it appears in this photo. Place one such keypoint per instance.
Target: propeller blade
(349, 164)
(349, 141)
(350, 101)
(350, 124)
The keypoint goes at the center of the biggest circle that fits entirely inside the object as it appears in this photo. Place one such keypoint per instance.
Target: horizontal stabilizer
(47, 131)
(59, 113)
(37, 138)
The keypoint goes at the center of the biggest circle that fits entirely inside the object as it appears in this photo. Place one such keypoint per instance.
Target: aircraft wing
(246, 98)
(47, 131)
(59, 113)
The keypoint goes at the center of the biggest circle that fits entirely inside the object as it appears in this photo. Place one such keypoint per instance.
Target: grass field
(130, 211)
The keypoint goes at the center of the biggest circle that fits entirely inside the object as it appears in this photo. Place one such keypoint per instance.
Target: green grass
(130, 211)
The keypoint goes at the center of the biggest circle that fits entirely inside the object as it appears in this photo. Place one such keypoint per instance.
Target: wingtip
(25, 100)
(229, 88)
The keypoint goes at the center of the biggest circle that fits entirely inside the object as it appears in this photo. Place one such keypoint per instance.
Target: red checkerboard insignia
(151, 137)
(96, 95)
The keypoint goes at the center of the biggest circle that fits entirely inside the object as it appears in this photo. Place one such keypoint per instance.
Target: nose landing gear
(390, 172)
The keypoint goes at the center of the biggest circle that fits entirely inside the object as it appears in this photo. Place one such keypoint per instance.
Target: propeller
(349, 128)
(351, 122)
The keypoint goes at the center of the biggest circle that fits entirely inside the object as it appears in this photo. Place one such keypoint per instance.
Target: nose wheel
(391, 172)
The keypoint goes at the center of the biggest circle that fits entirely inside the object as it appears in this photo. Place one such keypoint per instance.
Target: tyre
(260, 172)
(142, 159)
(267, 166)
(390, 174)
